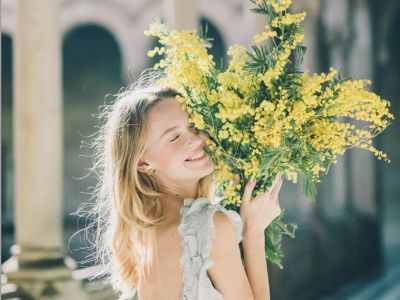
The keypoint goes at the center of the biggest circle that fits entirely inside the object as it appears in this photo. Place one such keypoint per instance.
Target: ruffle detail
(197, 231)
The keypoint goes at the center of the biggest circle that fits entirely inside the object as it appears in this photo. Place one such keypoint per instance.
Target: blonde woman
(158, 232)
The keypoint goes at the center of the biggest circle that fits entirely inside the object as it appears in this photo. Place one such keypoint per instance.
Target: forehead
(165, 114)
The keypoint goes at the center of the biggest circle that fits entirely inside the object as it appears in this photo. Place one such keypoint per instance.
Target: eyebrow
(168, 130)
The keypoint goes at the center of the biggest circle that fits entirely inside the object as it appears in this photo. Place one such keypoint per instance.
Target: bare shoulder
(224, 239)
(225, 254)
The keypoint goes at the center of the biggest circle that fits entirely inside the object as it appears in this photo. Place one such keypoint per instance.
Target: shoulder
(225, 255)
(225, 235)
(223, 224)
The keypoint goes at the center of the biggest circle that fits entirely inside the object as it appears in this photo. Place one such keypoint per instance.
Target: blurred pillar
(253, 23)
(351, 54)
(38, 264)
(353, 226)
(337, 37)
(312, 8)
(360, 67)
(385, 26)
(181, 14)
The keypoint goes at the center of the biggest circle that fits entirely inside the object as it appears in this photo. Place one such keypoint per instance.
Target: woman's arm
(227, 272)
(255, 264)
(257, 213)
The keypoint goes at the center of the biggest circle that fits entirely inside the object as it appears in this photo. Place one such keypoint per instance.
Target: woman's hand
(258, 212)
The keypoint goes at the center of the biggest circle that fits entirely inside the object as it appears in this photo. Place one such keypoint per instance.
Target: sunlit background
(348, 242)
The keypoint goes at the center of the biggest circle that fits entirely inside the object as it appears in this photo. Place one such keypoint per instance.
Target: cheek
(170, 156)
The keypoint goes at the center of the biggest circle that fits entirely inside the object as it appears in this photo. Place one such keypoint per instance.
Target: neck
(180, 191)
(172, 199)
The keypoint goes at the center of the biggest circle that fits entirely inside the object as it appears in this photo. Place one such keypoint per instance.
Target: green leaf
(309, 187)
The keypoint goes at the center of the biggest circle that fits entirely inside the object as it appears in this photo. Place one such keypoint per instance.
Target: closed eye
(175, 138)
(191, 127)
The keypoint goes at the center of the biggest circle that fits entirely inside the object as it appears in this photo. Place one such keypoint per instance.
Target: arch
(218, 50)
(112, 16)
(88, 44)
(91, 70)
(227, 18)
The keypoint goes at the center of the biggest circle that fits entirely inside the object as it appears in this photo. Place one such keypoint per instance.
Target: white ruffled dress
(196, 231)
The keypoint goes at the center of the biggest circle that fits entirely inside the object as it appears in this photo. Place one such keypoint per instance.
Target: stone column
(360, 67)
(181, 14)
(305, 207)
(39, 265)
(253, 23)
(351, 52)
(337, 38)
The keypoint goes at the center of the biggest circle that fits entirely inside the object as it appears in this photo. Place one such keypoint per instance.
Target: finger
(274, 183)
(277, 183)
(277, 204)
(248, 189)
(277, 180)
(275, 191)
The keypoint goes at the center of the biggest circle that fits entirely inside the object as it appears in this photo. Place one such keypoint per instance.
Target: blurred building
(354, 227)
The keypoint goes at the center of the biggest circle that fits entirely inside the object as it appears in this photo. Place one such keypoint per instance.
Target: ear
(142, 166)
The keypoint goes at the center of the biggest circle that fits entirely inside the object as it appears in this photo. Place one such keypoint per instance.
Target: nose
(195, 140)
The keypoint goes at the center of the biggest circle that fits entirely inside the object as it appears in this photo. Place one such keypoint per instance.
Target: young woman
(158, 232)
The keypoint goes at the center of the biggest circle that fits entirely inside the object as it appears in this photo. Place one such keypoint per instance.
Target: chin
(209, 170)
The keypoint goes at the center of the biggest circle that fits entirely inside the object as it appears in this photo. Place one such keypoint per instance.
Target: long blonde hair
(126, 202)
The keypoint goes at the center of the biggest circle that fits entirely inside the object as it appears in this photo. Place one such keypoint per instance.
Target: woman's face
(174, 147)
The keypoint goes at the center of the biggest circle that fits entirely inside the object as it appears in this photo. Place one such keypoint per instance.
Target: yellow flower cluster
(327, 135)
(280, 5)
(261, 118)
(311, 87)
(251, 167)
(356, 102)
(156, 51)
(158, 30)
(235, 77)
(267, 129)
(300, 113)
(288, 19)
(265, 35)
(198, 120)
(191, 61)
(282, 58)
(291, 173)
(264, 118)
(225, 178)
(232, 134)
(237, 80)
(231, 107)
(231, 194)
(238, 57)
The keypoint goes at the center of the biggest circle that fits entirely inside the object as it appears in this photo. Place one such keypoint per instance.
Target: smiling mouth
(197, 156)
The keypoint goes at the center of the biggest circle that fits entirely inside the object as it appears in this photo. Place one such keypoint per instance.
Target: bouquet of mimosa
(264, 116)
